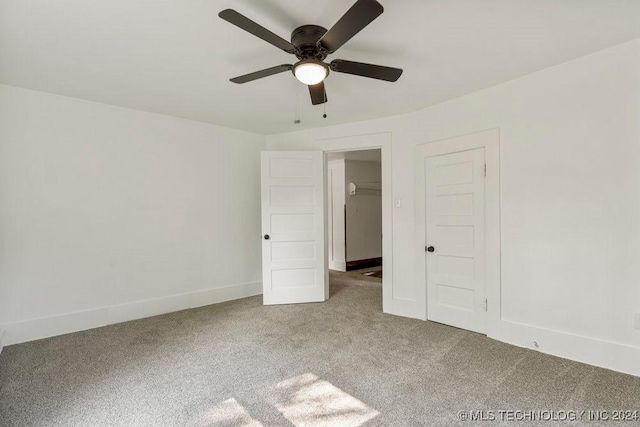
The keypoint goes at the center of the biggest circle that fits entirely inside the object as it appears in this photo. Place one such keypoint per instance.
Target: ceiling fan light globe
(310, 73)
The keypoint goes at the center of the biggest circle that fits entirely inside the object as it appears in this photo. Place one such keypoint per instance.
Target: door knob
(266, 237)
(431, 249)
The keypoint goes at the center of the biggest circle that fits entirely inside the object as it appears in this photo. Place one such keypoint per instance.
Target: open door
(293, 227)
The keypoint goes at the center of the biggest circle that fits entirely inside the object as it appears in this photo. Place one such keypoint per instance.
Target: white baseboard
(605, 354)
(337, 265)
(35, 329)
(2, 332)
(592, 351)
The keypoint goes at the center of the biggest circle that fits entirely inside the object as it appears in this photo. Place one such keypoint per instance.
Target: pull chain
(296, 119)
(324, 89)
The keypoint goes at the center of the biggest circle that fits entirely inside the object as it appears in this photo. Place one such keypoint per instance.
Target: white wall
(364, 212)
(570, 201)
(109, 214)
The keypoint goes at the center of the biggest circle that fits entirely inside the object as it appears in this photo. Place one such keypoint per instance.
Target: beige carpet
(342, 362)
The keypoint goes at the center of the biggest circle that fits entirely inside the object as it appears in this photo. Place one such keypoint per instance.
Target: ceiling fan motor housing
(305, 39)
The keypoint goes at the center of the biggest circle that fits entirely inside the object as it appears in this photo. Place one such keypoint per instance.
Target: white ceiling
(175, 56)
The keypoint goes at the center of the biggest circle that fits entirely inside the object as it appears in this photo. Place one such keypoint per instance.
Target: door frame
(490, 141)
(338, 265)
(374, 141)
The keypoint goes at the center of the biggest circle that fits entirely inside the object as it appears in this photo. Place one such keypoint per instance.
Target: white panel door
(455, 238)
(293, 227)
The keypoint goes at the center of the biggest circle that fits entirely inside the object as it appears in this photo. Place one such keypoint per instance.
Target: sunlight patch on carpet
(307, 401)
(230, 412)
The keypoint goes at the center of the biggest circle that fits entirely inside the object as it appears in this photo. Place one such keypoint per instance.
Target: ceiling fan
(311, 44)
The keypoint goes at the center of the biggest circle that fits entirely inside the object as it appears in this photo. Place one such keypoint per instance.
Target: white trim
(382, 141)
(606, 354)
(490, 141)
(2, 333)
(35, 329)
(337, 265)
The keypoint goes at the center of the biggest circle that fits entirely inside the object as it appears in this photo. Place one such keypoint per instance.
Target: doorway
(382, 142)
(354, 215)
(354, 209)
(294, 221)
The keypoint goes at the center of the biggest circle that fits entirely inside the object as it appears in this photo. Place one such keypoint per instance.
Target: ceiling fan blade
(262, 73)
(257, 30)
(379, 72)
(318, 94)
(361, 14)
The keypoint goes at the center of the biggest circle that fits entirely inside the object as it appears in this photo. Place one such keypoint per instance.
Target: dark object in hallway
(364, 263)
(376, 273)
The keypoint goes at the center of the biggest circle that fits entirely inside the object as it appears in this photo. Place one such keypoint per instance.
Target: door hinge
(485, 305)
(485, 169)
